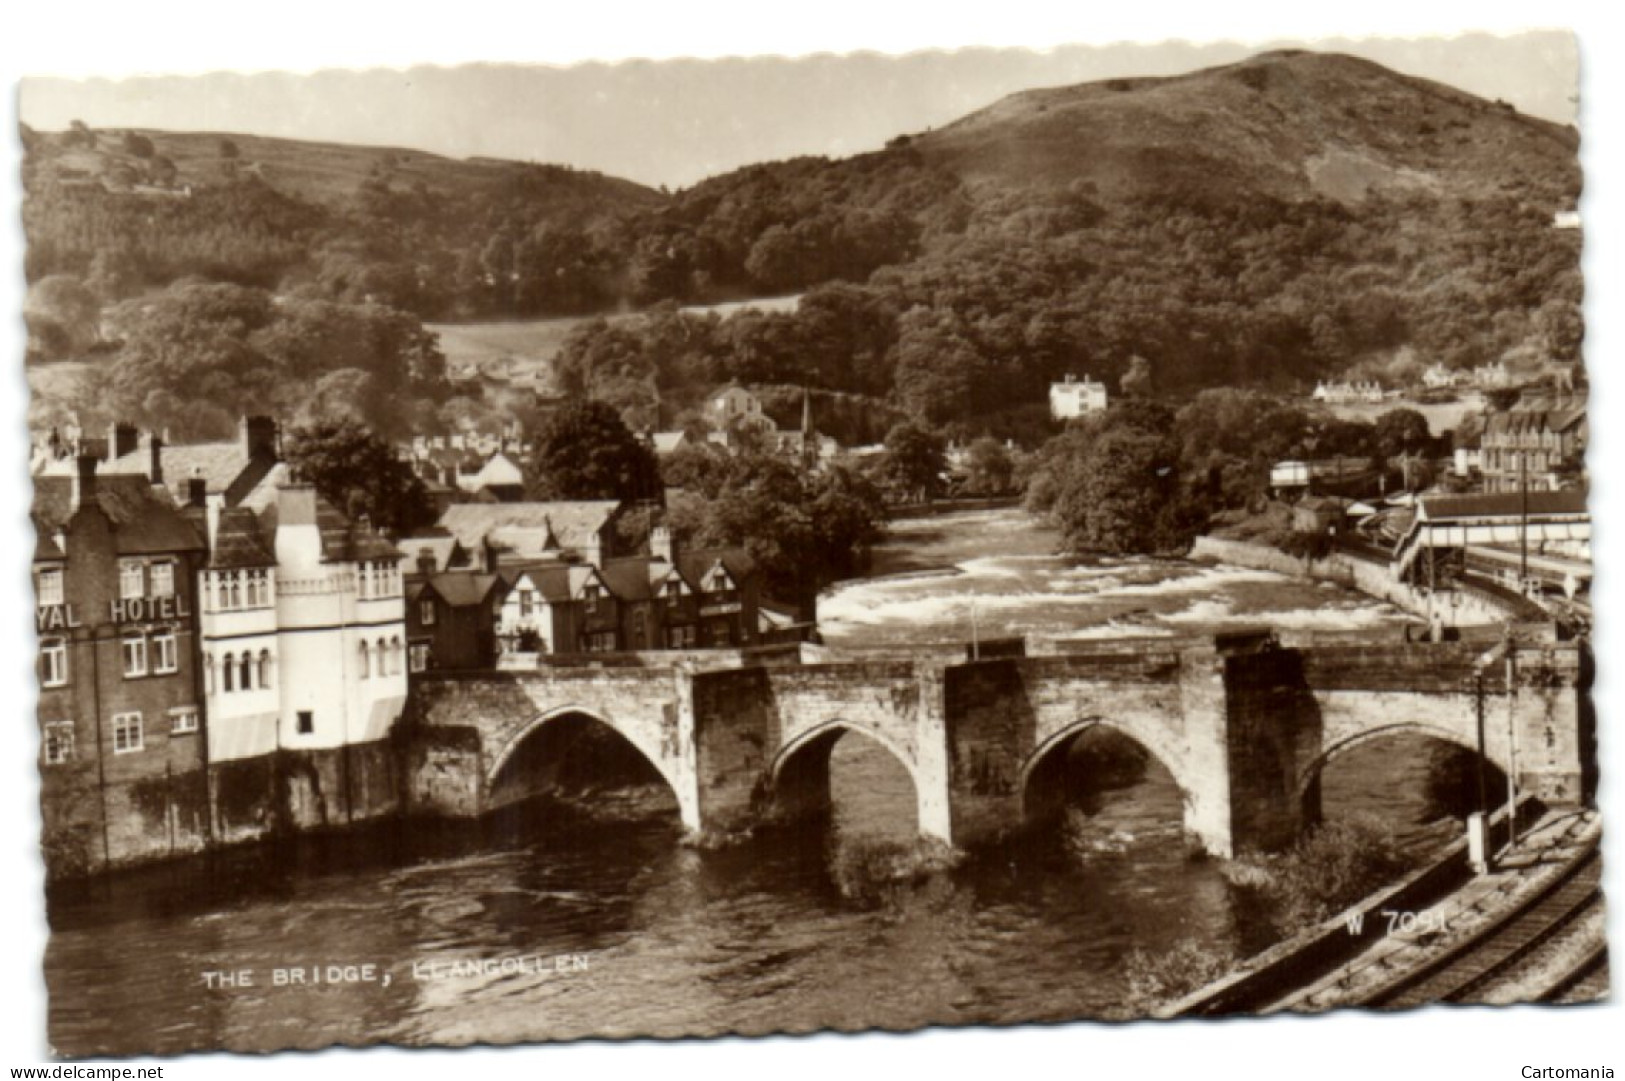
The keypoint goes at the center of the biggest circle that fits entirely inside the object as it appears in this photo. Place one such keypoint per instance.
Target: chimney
(661, 546)
(259, 437)
(211, 511)
(155, 462)
(122, 439)
(197, 490)
(426, 561)
(84, 483)
(298, 537)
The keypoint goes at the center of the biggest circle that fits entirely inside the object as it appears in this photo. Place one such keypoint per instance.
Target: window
(307, 722)
(680, 637)
(259, 589)
(183, 721)
(674, 593)
(589, 598)
(526, 600)
(265, 668)
(48, 586)
(58, 742)
(165, 656)
(418, 656)
(394, 656)
(381, 658)
(53, 656)
(126, 733)
(245, 672)
(366, 661)
(426, 612)
(135, 657)
(131, 581)
(163, 579)
(227, 674)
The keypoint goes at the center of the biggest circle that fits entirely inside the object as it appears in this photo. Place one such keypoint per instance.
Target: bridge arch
(651, 755)
(1057, 742)
(798, 776)
(1312, 771)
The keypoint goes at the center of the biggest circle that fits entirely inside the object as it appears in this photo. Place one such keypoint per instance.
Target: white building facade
(1076, 398)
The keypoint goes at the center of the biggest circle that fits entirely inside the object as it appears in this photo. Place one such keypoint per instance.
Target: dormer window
(674, 593)
(589, 598)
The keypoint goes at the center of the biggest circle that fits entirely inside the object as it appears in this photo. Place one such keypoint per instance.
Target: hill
(1289, 125)
(1291, 217)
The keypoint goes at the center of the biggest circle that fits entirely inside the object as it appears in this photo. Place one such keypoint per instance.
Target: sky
(84, 38)
(676, 122)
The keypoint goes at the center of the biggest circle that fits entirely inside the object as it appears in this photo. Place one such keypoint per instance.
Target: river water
(586, 917)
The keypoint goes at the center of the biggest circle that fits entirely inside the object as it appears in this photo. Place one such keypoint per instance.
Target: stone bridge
(1243, 726)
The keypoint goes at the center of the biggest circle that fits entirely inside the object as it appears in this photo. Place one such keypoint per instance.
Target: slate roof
(225, 468)
(694, 564)
(343, 541)
(632, 579)
(462, 589)
(1520, 421)
(1502, 505)
(558, 583)
(144, 521)
(442, 546)
(238, 541)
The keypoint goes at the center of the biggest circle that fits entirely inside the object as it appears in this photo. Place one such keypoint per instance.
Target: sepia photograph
(885, 536)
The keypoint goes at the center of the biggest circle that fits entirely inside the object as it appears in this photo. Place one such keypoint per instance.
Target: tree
(989, 467)
(1401, 431)
(805, 530)
(137, 145)
(913, 463)
(228, 150)
(360, 474)
(1136, 382)
(585, 451)
(1114, 483)
(62, 315)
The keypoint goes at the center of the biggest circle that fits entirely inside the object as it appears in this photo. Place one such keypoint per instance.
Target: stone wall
(1455, 608)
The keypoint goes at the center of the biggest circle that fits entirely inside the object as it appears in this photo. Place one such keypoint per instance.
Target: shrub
(1330, 868)
(1156, 979)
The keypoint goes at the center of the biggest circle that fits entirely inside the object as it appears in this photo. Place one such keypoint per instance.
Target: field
(1441, 416)
(522, 350)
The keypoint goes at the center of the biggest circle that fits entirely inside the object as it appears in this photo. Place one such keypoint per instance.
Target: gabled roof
(464, 589)
(633, 578)
(696, 563)
(442, 546)
(558, 583)
(144, 520)
(524, 527)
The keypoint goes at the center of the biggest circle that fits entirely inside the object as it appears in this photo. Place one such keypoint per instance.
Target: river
(587, 917)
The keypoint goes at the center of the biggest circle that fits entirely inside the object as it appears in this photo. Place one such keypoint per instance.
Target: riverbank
(1452, 608)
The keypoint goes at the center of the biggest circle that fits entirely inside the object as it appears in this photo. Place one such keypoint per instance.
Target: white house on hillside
(1075, 398)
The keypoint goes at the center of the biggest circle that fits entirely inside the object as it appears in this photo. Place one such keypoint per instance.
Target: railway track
(1512, 956)
(1531, 950)
(1536, 934)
